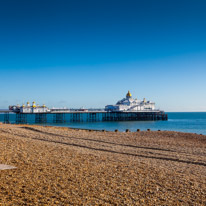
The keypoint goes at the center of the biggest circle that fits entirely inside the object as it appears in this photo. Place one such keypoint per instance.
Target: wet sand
(61, 166)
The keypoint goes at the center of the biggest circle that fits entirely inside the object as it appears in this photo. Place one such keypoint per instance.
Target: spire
(128, 94)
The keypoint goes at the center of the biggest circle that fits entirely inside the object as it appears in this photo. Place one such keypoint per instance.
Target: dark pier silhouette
(82, 116)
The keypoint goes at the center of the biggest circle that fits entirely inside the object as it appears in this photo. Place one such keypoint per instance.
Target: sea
(191, 122)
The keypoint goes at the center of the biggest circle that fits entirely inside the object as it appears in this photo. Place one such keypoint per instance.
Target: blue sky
(90, 53)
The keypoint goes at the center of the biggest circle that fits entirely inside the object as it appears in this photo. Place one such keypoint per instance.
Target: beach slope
(62, 166)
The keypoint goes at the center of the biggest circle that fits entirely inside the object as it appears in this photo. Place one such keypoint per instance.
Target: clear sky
(89, 53)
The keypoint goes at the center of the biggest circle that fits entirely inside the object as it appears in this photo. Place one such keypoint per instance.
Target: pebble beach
(64, 166)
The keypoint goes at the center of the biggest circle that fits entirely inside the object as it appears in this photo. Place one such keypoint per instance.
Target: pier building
(131, 105)
(34, 108)
(30, 108)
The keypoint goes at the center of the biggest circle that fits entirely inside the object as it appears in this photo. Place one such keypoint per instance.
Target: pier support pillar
(59, 118)
(92, 117)
(41, 118)
(21, 118)
(6, 118)
(77, 117)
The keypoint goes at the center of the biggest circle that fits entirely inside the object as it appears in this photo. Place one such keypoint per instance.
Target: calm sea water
(194, 122)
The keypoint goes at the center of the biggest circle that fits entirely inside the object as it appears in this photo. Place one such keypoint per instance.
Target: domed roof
(128, 94)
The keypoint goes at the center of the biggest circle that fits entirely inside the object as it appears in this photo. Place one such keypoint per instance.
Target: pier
(80, 116)
(126, 109)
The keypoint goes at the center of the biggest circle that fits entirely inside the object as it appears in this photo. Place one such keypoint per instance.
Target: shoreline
(61, 165)
(102, 130)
